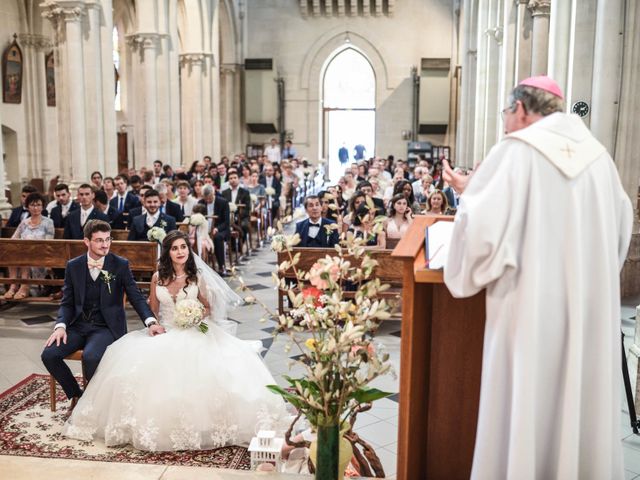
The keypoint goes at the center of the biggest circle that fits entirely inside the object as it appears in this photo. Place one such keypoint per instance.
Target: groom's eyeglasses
(102, 241)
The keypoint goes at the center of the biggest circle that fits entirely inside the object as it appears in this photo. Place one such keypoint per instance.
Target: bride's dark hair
(166, 272)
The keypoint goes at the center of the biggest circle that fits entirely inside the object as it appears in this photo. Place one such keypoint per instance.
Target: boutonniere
(163, 224)
(107, 278)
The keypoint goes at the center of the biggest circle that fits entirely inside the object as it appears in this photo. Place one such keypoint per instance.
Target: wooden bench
(55, 253)
(389, 270)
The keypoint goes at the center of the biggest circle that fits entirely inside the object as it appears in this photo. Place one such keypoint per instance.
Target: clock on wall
(580, 108)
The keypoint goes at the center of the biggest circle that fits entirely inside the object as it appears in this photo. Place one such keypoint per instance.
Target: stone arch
(329, 45)
(312, 70)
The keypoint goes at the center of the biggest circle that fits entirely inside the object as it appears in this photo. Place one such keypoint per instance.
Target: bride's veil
(220, 296)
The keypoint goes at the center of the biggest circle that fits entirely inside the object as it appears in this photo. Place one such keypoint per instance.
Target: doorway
(349, 111)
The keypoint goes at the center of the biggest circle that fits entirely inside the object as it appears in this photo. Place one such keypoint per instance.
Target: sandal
(22, 293)
(9, 294)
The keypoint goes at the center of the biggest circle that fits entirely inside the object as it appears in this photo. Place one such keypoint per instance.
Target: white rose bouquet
(254, 198)
(156, 234)
(197, 219)
(190, 313)
(270, 191)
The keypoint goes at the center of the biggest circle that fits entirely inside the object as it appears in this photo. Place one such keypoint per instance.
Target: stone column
(148, 45)
(67, 18)
(95, 75)
(227, 124)
(192, 105)
(523, 42)
(5, 206)
(560, 33)
(607, 63)
(540, 11)
(34, 88)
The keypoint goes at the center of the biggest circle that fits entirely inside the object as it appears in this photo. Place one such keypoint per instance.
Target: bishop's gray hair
(536, 100)
(207, 191)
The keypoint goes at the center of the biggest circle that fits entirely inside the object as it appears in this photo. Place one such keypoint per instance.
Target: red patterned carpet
(29, 428)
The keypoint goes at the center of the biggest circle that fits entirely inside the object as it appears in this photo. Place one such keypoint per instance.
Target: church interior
(160, 94)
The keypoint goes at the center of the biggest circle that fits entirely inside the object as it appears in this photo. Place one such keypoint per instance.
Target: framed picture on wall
(12, 73)
(50, 75)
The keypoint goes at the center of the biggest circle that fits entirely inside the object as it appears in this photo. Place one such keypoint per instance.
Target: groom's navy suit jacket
(111, 304)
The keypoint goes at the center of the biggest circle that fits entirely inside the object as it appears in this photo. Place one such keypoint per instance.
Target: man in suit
(313, 231)
(219, 207)
(76, 220)
(269, 181)
(239, 196)
(166, 206)
(91, 315)
(366, 188)
(141, 224)
(62, 206)
(101, 202)
(20, 213)
(123, 201)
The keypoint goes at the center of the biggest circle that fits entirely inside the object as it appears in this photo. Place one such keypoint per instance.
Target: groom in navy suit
(313, 231)
(91, 315)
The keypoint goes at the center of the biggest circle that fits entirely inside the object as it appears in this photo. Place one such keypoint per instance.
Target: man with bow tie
(153, 218)
(313, 231)
(91, 315)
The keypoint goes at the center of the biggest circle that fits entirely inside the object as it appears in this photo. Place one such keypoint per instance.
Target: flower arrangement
(232, 207)
(156, 234)
(270, 191)
(254, 199)
(197, 219)
(333, 331)
(190, 313)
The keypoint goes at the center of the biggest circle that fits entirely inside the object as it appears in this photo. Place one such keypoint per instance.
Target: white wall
(301, 47)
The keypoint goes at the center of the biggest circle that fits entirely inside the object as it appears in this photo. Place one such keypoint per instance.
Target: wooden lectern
(440, 367)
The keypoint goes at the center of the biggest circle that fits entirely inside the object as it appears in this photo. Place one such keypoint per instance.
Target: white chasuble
(544, 225)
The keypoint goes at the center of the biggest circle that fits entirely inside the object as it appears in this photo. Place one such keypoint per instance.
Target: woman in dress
(35, 227)
(400, 218)
(405, 187)
(182, 390)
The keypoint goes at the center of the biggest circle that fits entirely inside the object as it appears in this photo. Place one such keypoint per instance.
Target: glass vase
(328, 455)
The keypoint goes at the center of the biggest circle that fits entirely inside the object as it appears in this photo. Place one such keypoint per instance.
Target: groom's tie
(94, 267)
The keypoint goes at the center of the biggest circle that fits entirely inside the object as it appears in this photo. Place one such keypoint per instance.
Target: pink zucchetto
(543, 83)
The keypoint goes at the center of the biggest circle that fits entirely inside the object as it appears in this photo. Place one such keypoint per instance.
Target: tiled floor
(21, 344)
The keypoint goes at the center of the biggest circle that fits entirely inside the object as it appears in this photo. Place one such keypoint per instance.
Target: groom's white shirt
(94, 272)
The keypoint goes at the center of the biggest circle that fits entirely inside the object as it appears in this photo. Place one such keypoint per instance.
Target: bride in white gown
(181, 390)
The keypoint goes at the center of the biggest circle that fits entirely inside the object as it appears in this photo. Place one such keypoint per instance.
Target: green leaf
(292, 399)
(368, 395)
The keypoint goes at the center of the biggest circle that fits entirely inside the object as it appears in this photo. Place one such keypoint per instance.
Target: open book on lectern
(437, 238)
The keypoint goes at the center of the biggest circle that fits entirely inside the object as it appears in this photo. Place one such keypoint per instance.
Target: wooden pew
(142, 257)
(389, 270)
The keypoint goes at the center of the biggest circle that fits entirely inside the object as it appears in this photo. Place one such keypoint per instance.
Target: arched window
(116, 67)
(348, 102)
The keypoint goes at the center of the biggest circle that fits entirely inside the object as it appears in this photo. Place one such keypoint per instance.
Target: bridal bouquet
(156, 234)
(190, 313)
(197, 219)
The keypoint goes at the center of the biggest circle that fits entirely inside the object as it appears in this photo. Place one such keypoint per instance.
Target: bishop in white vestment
(544, 226)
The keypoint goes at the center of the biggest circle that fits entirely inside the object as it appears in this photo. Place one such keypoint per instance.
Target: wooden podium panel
(440, 368)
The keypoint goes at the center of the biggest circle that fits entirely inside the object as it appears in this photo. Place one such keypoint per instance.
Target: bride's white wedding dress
(182, 390)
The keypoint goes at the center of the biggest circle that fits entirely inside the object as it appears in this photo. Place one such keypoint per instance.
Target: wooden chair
(77, 355)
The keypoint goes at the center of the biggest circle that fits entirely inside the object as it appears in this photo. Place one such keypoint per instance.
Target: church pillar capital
(194, 58)
(144, 40)
(38, 42)
(539, 8)
(67, 10)
(229, 69)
